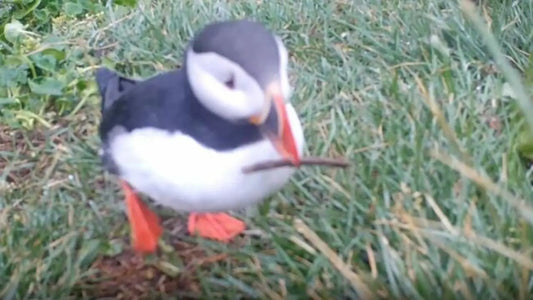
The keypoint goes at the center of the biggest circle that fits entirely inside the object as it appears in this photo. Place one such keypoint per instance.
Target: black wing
(111, 86)
(166, 102)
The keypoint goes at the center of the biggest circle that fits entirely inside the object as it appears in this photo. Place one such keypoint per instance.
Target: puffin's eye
(230, 82)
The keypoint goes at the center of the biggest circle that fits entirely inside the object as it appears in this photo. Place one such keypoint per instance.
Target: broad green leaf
(28, 7)
(4, 12)
(13, 76)
(14, 61)
(72, 9)
(90, 5)
(45, 62)
(130, 3)
(42, 14)
(59, 55)
(47, 86)
(7, 101)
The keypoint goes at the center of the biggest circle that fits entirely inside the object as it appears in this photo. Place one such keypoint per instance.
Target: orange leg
(145, 229)
(219, 226)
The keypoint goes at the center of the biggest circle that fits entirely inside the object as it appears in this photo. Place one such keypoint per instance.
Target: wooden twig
(311, 160)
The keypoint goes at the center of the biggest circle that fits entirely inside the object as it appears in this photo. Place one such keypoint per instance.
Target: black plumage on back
(111, 85)
(166, 102)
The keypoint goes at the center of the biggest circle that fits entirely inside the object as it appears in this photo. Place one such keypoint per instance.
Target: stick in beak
(285, 142)
(281, 135)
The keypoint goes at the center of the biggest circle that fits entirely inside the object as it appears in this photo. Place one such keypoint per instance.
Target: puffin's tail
(111, 86)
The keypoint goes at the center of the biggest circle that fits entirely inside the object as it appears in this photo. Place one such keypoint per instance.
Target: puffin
(182, 137)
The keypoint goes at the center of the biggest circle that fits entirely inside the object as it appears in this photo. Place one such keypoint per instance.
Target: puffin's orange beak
(280, 134)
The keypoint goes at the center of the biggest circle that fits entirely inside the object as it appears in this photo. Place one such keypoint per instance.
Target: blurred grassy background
(437, 201)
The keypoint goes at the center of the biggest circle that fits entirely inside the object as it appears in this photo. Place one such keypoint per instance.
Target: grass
(437, 201)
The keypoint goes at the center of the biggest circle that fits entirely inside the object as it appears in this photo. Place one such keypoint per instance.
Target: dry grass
(436, 200)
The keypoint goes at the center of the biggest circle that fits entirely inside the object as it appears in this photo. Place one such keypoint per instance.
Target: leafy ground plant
(423, 100)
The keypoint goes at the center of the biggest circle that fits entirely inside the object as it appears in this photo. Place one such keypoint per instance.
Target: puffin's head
(238, 70)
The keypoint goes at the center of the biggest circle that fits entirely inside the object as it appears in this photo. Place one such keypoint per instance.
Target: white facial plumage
(226, 89)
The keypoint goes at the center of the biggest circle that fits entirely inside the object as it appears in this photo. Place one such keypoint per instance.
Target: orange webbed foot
(145, 229)
(221, 227)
